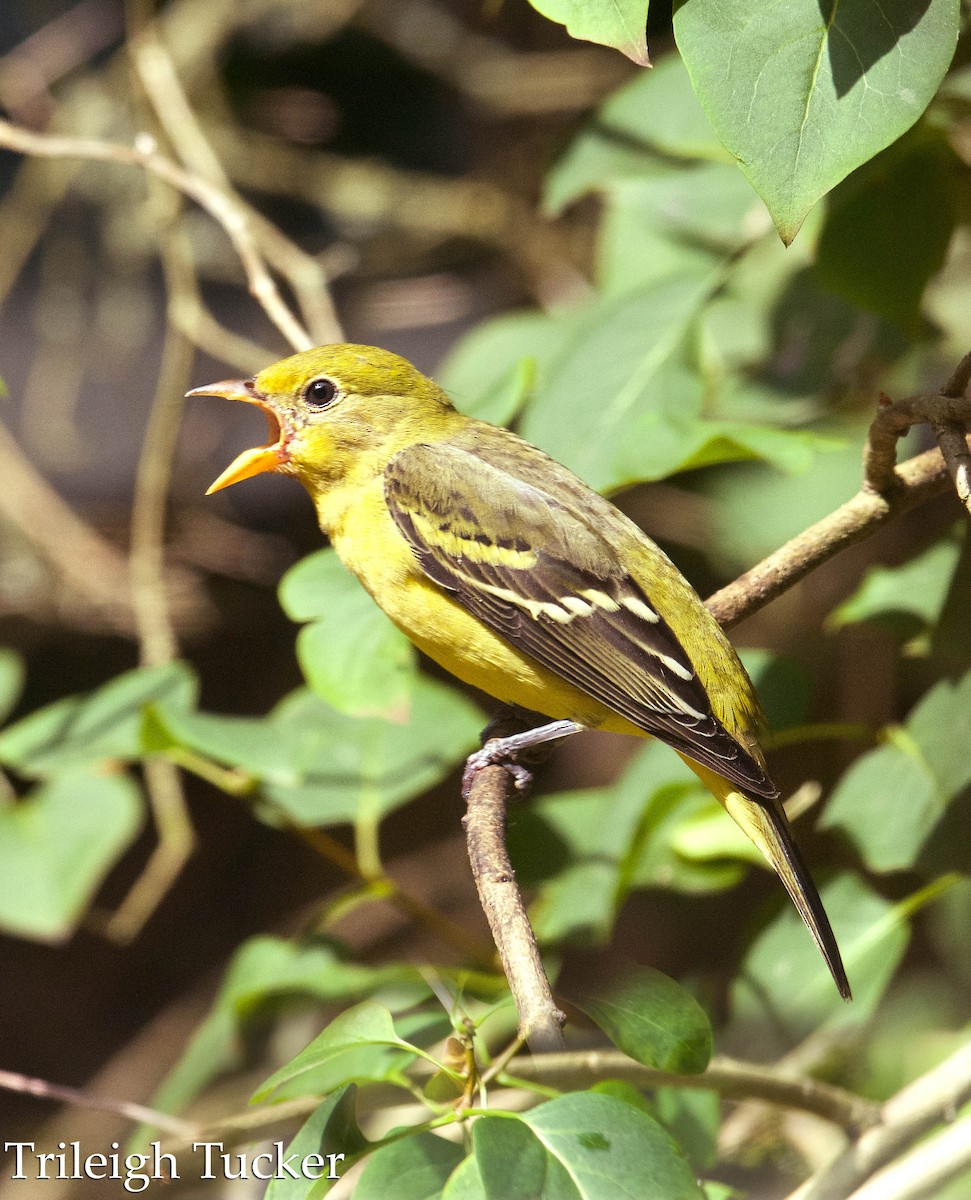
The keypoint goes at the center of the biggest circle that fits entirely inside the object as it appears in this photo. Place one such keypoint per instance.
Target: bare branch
(933, 1098)
(729, 1077)
(29, 1086)
(221, 206)
(540, 1021)
(917, 480)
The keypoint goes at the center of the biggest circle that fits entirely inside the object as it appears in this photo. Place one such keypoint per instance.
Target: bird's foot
(505, 751)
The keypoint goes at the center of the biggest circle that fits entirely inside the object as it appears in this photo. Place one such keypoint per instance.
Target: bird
(519, 579)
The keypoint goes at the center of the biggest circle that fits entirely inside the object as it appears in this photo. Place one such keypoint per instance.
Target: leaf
(802, 93)
(265, 972)
(653, 1020)
(584, 851)
(621, 403)
(11, 681)
(583, 1146)
(916, 589)
(56, 847)
(621, 24)
(783, 974)
(104, 725)
(633, 137)
(323, 767)
(351, 654)
(331, 1132)
(415, 1168)
(367, 1025)
(692, 1118)
(889, 226)
(890, 801)
(495, 367)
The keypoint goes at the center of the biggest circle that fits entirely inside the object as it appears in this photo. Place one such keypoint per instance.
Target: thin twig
(949, 409)
(93, 567)
(923, 1173)
(222, 207)
(907, 1116)
(12, 1081)
(159, 78)
(730, 1078)
(917, 480)
(156, 635)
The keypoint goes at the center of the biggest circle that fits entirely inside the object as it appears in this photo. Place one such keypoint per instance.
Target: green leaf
(415, 1168)
(583, 1146)
(672, 799)
(634, 135)
(465, 1182)
(692, 1118)
(653, 1020)
(585, 851)
(106, 724)
(783, 974)
(646, 232)
(351, 655)
(366, 1026)
(621, 24)
(889, 226)
(910, 596)
(330, 1130)
(56, 847)
(890, 801)
(264, 973)
(635, 415)
(12, 676)
(495, 367)
(802, 93)
(323, 767)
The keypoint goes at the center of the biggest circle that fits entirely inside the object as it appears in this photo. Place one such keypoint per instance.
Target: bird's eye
(320, 392)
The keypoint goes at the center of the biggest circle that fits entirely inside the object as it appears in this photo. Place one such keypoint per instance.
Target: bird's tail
(765, 823)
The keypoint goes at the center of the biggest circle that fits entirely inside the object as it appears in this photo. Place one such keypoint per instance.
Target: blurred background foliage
(562, 239)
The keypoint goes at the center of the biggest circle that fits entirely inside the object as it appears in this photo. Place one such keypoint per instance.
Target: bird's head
(331, 407)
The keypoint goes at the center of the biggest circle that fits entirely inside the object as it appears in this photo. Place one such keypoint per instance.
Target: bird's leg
(503, 751)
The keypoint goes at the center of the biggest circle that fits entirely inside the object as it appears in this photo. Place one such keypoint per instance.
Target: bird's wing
(530, 566)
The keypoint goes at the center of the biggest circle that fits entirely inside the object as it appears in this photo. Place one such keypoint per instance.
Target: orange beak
(261, 458)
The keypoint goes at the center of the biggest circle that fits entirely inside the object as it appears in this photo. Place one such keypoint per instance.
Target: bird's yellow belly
(371, 546)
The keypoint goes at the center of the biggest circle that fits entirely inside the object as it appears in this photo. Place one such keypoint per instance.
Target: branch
(921, 1174)
(730, 1078)
(917, 480)
(540, 1021)
(27, 1085)
(907, 1116)
(223, 207)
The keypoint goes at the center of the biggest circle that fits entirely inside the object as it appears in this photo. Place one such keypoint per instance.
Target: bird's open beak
(269, 457)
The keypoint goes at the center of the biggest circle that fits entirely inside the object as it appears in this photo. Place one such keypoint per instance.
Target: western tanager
(518, 578)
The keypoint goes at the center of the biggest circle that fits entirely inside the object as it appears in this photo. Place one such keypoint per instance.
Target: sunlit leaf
(583, 1146)
(916, 590)
(802, 93)
(889, 802)
(618, 23)
(784, 975)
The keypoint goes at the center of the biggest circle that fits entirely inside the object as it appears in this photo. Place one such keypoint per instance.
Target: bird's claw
(494, 754)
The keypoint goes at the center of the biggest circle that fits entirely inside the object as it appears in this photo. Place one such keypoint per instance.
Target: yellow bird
(515, 576)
